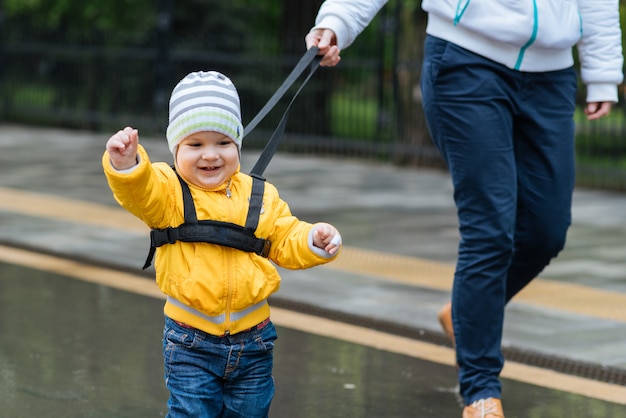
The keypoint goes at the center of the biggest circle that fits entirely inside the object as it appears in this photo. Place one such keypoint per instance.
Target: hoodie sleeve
(347, 18)
(600, 49)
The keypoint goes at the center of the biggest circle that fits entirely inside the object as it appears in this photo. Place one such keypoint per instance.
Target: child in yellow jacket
(218, 338)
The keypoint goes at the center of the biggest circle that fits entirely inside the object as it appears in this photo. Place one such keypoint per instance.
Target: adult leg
(544, 154)
(469, 114)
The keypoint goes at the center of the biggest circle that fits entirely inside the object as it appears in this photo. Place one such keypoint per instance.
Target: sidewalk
(400, 238)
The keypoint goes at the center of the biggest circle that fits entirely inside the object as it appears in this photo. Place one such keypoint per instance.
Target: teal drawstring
(533, 36)
(460, 11)
(580, 18)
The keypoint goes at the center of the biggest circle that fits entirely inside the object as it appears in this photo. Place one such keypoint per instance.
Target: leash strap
(309, 60)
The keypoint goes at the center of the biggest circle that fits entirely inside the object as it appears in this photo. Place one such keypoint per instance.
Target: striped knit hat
(204, 101)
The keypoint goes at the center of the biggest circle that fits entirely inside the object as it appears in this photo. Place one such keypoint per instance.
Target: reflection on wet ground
(74, 349)
(69, 348)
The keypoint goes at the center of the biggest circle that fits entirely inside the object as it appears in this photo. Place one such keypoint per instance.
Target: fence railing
(358, 109)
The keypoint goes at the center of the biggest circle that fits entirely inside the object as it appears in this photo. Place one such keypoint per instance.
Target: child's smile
(207, 159)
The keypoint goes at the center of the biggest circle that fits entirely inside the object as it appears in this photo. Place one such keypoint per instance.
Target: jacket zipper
(229, 270)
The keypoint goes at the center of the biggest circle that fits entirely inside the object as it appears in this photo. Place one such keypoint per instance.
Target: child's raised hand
(122, 148)
(326, 237)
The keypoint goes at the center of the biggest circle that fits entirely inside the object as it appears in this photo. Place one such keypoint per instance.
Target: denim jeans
(508, 140)
(226, 377)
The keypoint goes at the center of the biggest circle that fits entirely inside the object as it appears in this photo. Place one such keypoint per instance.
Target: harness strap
(308, 57)
(309, 60)
(188, 206)
(256, 204)
(214, 232)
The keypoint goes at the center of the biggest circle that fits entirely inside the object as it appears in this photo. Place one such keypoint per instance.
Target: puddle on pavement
(75, 349)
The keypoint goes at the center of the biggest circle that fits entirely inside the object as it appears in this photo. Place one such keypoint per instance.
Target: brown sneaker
(445, 319)
(484, 408)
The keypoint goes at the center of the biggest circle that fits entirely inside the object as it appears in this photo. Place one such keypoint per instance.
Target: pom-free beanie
(204, 101)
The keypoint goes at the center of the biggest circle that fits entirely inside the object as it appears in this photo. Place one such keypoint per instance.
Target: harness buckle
(267, 244)
(257, 176)
(171, 234)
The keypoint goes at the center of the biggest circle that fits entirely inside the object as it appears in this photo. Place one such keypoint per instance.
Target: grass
(354, 117)
(36, 95)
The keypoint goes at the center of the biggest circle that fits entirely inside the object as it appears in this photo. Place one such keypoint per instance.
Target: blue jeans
(226, 377)
(508, 140)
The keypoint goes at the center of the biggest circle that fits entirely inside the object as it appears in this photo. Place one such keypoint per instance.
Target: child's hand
(122, 148)
(326, 237)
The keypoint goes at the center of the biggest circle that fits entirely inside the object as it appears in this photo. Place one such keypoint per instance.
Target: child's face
(207, 159)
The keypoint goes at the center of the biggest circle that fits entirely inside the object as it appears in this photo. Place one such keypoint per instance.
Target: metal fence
(366, 108)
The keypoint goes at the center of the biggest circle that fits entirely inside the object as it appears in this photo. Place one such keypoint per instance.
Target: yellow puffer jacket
(214, 288)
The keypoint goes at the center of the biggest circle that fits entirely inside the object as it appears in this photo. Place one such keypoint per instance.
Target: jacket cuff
(318, 251)
(339, 27)
(602, 92)
(142, 158)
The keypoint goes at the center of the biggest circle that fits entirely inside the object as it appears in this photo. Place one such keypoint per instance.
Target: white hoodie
(524, 35)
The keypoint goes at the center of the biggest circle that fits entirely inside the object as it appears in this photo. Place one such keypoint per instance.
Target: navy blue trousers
(508, 140)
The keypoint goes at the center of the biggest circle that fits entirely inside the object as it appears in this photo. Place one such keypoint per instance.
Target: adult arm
(600, 55)
(337, 25)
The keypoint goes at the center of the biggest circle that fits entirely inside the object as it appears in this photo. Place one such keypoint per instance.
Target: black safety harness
(225, 233)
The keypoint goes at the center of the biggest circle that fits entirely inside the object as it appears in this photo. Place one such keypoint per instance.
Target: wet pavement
(66, 343)
(74, 349)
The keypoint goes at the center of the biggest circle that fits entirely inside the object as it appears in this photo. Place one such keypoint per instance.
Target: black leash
(309, 60)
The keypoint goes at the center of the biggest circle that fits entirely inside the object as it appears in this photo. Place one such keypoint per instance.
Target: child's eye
(225, 142)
